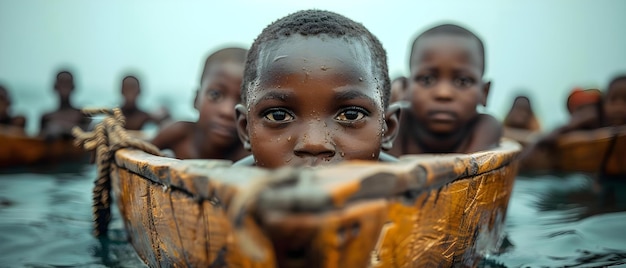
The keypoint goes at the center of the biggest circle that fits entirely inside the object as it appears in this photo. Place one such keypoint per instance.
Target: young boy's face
(220, 92)
(316, 102)
(615, 104)
(130, 90)
(521, 112)
(446, 82)
(64, 85)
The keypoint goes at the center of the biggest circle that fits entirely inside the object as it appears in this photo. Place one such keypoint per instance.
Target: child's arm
(487, 134)
(170, 135)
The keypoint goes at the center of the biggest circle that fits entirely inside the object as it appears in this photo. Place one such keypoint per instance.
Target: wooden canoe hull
(596, 151)
(24, 151)
(422, 211)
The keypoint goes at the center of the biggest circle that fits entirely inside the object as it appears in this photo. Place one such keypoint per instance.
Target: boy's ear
(391, 126)
(195, 100)
(486, 88)
(242, 126)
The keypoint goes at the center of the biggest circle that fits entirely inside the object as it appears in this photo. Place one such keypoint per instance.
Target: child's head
(219, 92)
(130, 89)
(521, 113)
(315, 91)
(5, 100)
(615, 102)
(64, 84)
(447, 63)
(580, 99)
(398, 88)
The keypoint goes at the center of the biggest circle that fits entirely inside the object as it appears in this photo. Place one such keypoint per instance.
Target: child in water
(521, 115)
(314, 92)
(8, 121)
(59, 124)
(214, 135)
(398, 89)
(446, 85)
(135, 118)
(615, 102)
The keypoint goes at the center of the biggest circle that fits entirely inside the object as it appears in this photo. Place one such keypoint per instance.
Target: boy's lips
(223, 130)
(442, 116)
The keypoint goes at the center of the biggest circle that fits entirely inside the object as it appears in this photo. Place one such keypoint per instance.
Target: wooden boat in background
(423, 211)
(20, 150)
(600, 151)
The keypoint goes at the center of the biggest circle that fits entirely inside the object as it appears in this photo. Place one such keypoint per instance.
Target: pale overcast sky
(544, 46)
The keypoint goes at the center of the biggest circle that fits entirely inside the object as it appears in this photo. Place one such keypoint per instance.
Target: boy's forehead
(223, 69)
(463, 47)
(301, 53)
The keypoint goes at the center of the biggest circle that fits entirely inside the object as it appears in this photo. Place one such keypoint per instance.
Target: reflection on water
(45, 221)
(565, 221)
(553, 221)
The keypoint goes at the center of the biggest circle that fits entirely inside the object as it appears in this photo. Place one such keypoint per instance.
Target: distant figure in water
(585, 109)
(615, 102)
(447, 64)
(521, 115)
(9, 122)
(398, 89)
(136, 119)
(214, 135)
(59, 124)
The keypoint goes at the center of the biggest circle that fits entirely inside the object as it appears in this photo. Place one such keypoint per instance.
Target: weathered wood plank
(423, 210)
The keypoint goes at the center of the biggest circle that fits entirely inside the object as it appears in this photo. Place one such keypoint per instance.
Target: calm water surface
(553, 221)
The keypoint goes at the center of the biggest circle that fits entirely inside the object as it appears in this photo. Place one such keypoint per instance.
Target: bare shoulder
(173, 133)
(486, 134)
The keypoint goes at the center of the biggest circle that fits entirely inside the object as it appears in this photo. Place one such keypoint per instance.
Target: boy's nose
(226, 110)
(444, 92)
(315, 142)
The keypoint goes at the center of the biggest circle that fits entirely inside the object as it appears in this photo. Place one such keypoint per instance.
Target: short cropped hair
(232, 54)
(131, 77)
(453, 30)
(313, 23)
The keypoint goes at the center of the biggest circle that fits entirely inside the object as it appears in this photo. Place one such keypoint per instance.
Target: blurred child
(59, 124)
(615, 102)
(136, 119)
(214, 135)
(521, 115)
(315, 90)
(15, 123)
(398, 89)
(446, 85)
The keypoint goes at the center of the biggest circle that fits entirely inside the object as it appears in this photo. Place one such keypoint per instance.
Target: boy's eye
(425, 80)
(278, 116)
(213, 94)
(351, 114)
(464, 82)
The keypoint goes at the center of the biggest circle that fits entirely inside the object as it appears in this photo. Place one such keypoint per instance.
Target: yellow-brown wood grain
(426, 210)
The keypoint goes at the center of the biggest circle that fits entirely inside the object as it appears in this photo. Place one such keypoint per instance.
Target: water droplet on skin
(361, 79)
(343, 154)
(289, 138)
(373, 155)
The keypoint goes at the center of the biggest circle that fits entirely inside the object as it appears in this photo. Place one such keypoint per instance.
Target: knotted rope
(106, 138)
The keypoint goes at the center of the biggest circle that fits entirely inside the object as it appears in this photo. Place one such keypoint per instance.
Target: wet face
(219, 93)
(64, 85)
(446, 83)
(615, 104)
(130, 89)
(316, 101)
